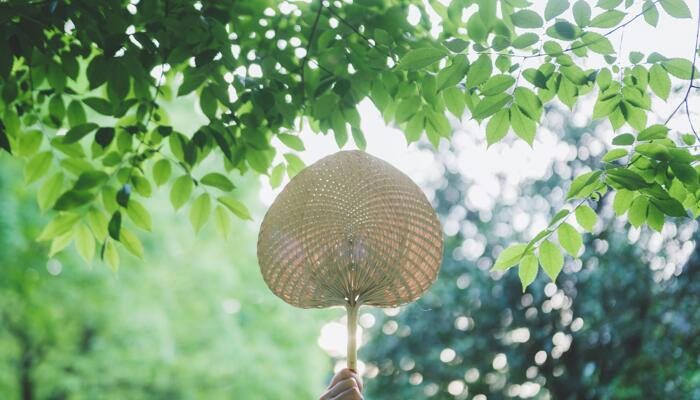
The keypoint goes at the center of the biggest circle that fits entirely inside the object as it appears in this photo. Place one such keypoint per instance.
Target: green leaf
(139, 215)
(676, 8)
(490, 105)
(102, 106)
(626, 178)
(527, 271)
(76, 114)
(222, 222)
(479, 71)
(528, 103)
(581, 186)
(551, 259)
(60, 243)
(608, 19)
(655, 218)
(688, 139)
(670, 207)
(453, 74)
(555, 8)
(104, 136)
(523, 126)
(236, 207)
(569, 238)
(180, 192)
(680, 68)
(685, 173)
(657, 131)
(115, 225)
(407, 108)
(276, 176)
(416, 125)
(78, 132)
(84, 242)
(111, 255)
(37, 166)
(454, 100)
(586, 217)
(208, 102)
(294, 164)
(421, 58)
(217, 180)
(497, 128)
(359, 138)
(291, 141)
(564, 30)
(624, 139)
(597, 43)
(90, 179)
(340, 128)
(659, 82)
(73, 199)
(49, 191)
(476, 28)
(525, 40)
(582, 13)
(637, 212)
(509, 257)
(131, 243)
(623, 200)
(636, 57)
(98, 223)
(526, 19)
(437, 123)
(161, 171)
(497, 84)
(200, 211)
(614, 154)
(457, 45)
(59, 225)
(651, 13)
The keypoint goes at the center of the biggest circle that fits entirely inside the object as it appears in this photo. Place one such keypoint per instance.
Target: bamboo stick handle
(352, 336)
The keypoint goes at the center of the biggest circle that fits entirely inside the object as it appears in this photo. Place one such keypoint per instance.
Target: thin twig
(305, 60)
(692, 77)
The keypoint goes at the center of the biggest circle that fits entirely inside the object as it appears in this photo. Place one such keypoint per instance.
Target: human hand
(345, 385)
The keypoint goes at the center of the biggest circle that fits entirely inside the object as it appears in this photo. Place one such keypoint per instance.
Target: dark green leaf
(78, 132)
(90, 179)
(104, 136)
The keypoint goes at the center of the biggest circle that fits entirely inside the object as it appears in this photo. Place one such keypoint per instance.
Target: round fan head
(350, 230)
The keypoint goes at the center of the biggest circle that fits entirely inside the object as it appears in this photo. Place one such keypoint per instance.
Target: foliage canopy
(84, 87)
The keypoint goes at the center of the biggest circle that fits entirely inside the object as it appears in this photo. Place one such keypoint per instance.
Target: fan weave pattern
(350, 229)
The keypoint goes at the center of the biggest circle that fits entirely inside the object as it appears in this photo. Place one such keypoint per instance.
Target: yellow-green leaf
(200, 211)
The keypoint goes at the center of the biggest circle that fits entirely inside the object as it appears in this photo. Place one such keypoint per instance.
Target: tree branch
(692, 77)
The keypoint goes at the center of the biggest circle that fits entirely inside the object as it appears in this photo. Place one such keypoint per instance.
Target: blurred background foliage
(193, 320)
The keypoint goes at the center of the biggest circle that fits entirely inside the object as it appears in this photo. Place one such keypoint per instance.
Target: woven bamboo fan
(350, 230)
